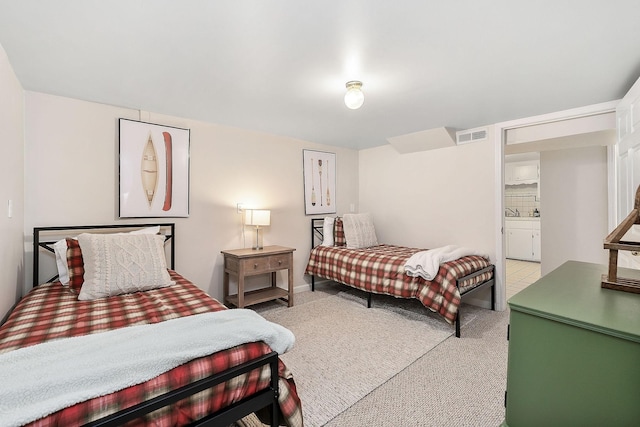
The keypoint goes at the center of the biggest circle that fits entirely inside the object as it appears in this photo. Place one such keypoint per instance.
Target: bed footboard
(491, 282)
(226, 416)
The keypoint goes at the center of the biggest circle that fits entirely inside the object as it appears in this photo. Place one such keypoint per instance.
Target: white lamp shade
(257, 217)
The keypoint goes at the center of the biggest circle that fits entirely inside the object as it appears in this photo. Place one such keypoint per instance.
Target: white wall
(12, 188)
(432, 198)
(573, 203)
(424, 199)
(72, 164)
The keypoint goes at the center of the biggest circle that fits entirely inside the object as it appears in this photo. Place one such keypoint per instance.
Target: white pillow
(327, 231)
(116, 264)
(359, 231)
(60, 250)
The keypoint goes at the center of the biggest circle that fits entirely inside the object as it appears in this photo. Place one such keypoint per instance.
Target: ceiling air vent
(471, 135)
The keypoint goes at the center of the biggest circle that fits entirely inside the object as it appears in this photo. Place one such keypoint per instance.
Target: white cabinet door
(520, 244)
(508, 173)
(536, 245)
(628, 162)
(526, 172)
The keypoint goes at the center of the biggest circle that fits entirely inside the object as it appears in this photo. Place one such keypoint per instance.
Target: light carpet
(344, 350)
(461, 383)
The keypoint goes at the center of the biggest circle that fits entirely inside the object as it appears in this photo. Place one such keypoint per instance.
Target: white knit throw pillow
(122, 264)
(359, 231)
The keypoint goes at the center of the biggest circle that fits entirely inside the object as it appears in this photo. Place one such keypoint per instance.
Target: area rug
(344, 350)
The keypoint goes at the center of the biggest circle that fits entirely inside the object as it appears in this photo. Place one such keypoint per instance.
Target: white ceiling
(280, 66)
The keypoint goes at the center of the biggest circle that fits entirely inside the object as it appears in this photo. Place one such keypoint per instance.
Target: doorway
(579, 127)
(522, 220)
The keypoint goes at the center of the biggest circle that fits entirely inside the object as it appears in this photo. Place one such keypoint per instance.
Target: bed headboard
(45, 237)
(316, 231)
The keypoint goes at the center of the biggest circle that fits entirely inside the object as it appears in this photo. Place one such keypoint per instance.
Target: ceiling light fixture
(354, 98)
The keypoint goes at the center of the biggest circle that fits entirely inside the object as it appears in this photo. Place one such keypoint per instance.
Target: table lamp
(257, 218)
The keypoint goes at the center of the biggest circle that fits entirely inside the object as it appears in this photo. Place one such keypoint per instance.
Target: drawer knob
(255, 265)
(634, 253)
(279, 262)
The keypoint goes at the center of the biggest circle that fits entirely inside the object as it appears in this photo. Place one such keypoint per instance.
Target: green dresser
(574, 351)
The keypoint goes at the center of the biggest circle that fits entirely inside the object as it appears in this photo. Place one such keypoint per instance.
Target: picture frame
(153, 170)
(319, 168)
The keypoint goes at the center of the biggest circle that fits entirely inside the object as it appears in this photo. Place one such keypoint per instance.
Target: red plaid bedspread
(50, 311)
(380, 269)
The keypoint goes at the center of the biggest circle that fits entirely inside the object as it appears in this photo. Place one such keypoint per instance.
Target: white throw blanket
(426, 264)
(39, 380)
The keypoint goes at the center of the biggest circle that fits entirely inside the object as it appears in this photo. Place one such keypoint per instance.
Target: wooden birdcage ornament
(614, 243)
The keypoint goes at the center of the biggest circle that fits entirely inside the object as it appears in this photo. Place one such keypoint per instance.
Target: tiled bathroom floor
(520, 274)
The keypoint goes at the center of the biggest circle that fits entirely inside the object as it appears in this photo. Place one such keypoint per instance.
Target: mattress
(380, 269)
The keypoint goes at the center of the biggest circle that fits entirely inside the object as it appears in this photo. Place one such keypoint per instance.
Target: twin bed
(380, 269)
(213, 389)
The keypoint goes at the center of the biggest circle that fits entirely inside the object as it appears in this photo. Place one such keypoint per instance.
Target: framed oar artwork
(154, 170)
(319, 182)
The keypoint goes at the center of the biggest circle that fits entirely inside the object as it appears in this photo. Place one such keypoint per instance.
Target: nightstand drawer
(266, 264)
(257, 265)
(280, 261)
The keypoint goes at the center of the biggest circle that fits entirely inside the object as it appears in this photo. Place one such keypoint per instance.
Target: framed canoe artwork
(319, 182)
(154, 170)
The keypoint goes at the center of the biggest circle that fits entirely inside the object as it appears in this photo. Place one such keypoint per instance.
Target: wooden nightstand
(251, 262)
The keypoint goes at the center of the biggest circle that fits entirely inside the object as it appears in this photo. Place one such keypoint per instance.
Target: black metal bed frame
(317, 233)
(267, 397)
